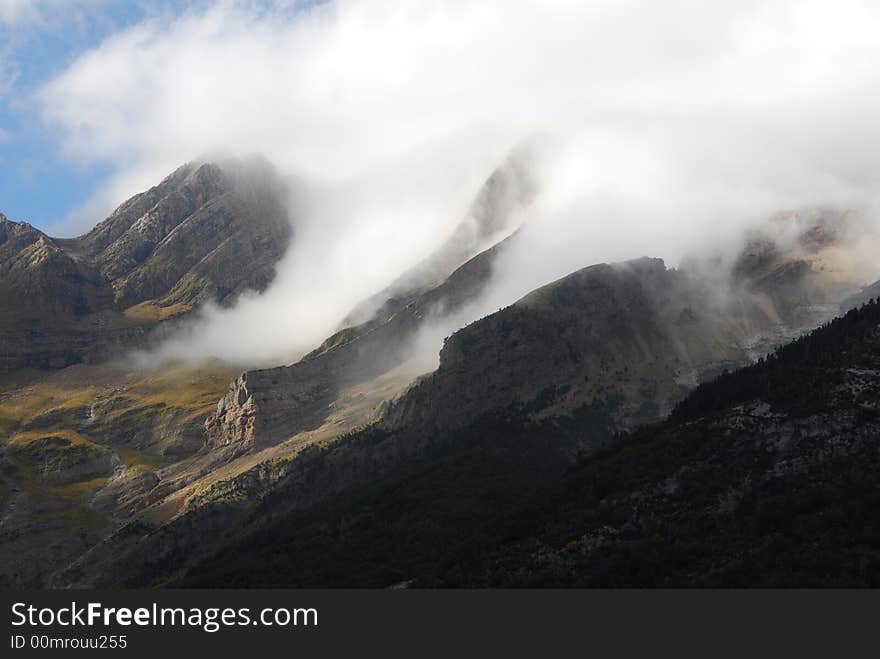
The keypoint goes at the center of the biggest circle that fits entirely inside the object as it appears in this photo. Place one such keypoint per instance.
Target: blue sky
(38, 40)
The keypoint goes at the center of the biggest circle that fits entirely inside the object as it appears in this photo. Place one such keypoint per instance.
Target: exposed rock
(124, 493)
(207, 232)
(633, 337)
(497, 211)
(265, 406)
(688, 325)
(601, 350)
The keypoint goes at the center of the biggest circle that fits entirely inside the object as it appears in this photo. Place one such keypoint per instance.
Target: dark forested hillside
(766, 476)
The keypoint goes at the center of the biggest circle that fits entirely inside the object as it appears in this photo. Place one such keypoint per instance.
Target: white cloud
(668, 124)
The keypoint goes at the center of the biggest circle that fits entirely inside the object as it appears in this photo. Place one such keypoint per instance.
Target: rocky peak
(266, 406)
(206, 232)
(625, 341)
(495, 213)
(192, 184)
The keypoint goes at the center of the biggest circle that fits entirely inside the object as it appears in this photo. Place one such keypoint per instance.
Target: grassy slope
(58, 406)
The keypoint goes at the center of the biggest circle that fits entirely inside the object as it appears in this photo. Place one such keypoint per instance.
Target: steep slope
(207, 232)
(558, 374)
(496, 212)
(632, 337)
(561, 373)
(763, 477)
(160, 427)
(625, 337)
(265, 406)
(781, 283)
(81, 448)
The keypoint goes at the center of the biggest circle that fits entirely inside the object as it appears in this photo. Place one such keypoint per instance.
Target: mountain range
(620, 426)
(204, 233)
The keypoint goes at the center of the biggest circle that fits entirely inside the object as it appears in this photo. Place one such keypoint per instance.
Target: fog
(661, 129)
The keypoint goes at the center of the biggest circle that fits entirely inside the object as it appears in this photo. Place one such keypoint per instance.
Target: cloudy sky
(98, 98)
(660, 127)
(39, 41)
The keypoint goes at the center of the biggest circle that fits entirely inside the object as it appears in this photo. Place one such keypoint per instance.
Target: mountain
(114, 473)
(143, 429)
(523, 392)
(496, 212)
(207, 232)
(669, 325)
(265, 406)
(765, 476)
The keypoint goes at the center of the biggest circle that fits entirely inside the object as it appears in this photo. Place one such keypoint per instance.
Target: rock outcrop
(675, 327)
(207, 232)
(631, 338)
(600, 351)
(497, 211)
(265, 406)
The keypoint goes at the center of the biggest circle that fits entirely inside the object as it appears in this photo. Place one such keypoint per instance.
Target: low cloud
(665, 128)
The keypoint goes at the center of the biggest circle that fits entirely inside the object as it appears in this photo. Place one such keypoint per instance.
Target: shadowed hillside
(764, 476)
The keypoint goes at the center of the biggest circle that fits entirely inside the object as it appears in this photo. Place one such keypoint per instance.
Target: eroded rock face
(603, 348)
(631, 337)
(207, 232)
(265, 406)
(671, 327)
(620, 336)
(124, 492)
(497, 211)
(620, 343)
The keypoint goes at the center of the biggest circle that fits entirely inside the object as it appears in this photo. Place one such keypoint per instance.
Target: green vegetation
(41, 400)
(134, 458)
(80, 489)
(53, 439)
(151, 312)
(73, 418)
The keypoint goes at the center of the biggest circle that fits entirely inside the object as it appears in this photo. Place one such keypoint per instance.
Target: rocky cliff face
(632, 338)
(265, 406)
(626, 337)
(763, 477)
(637, 333)
(497, 211)
(207, 232)
(598, 352)
(768, 481)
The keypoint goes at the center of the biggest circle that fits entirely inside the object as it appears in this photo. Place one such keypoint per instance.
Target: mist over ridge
(644, 137)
